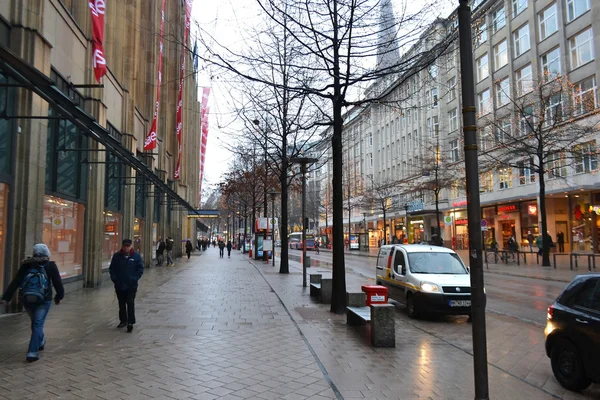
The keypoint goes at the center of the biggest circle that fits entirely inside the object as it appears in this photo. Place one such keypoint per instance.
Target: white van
(426, 278)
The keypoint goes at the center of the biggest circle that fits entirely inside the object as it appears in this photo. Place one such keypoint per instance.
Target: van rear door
(382, 269)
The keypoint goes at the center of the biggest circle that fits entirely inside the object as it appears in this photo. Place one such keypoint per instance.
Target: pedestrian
(512, 244)
(199, 245)
(126, 269)
(169, 248)
(35, 277)
(160, 252)
(539, 242)
(221, 248)
(530, 239)
(229, 245)
(560, 239)
(188, 248)
(317, 246)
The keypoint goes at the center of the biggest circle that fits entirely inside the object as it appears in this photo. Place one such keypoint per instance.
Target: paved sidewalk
(230, 328)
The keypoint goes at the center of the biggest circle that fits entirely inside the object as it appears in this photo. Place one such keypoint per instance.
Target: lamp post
(406, 220)
(303, 161)
(273, 194)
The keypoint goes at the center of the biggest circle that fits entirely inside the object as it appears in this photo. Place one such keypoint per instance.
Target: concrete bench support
(382, 325)
(315, 284)
(326, 290)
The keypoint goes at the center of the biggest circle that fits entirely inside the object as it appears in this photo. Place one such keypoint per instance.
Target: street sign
(483, 223)
(448, 220)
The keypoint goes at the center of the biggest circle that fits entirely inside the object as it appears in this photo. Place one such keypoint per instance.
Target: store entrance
(508, 229)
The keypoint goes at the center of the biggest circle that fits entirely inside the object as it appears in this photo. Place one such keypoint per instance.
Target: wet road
(524, 298)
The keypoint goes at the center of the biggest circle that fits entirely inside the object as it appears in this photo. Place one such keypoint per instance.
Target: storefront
(416, 229)
(488, 228)
(138, 236)
(585, 221)
(507, 224)
(529, 224)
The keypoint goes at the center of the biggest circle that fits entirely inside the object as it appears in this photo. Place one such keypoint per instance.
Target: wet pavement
(230, 328)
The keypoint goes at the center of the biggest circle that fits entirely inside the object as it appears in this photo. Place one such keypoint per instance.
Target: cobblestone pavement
(229, 328)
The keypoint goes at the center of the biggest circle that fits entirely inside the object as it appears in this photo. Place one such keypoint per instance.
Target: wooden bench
(379, 316)
(321, 288)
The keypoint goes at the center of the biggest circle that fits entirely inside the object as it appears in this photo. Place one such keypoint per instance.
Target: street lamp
(303, 161)
(273, 194)
(406, 222)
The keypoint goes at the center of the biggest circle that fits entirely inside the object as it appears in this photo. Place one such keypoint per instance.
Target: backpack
(35, 286)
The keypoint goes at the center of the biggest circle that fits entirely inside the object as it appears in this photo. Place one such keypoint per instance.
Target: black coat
(51, 272)
(189, 247)
(126, 269)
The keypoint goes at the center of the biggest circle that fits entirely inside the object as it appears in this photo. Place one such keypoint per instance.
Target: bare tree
(542, 127)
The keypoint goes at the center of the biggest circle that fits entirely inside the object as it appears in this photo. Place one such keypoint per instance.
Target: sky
(225, 19)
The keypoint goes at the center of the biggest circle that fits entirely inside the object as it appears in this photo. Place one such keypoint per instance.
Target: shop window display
(138, 232)
(63, 234)
(112, 236)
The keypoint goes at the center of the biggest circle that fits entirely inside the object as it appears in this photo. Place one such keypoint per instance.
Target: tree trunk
(384, 230)
(284, 264)
(544, 229)
(437, 216)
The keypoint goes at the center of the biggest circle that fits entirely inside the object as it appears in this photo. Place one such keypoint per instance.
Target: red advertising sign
(204, 126)
(507, 208)
(150, 142)
(463, 221)
(459, 203)
(532, 209)
(179, 113)
(97, 9)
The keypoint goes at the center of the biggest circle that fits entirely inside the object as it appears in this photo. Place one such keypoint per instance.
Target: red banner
(150, 142)
(204, 127)
(179, 118)
(97, 9)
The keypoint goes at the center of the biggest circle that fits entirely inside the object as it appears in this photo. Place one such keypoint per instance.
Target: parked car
(573, 333)
(426, 278)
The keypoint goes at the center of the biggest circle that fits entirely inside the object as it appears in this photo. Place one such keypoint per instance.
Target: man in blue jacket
(126, 269)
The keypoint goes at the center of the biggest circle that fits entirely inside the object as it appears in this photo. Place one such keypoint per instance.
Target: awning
(33, 79)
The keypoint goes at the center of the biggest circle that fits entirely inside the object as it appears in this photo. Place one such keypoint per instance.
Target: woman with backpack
(35, 278)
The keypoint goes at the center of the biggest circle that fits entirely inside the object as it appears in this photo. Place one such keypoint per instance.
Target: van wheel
(567, 366)
(410, 307)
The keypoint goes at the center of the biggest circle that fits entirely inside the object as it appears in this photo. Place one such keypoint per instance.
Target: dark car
(573, 333)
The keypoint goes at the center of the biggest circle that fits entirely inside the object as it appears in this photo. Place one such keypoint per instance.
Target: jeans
(159, 258)
(126, 305)
(228, 252)
(37, 313)
(169, 257)
(221, 252)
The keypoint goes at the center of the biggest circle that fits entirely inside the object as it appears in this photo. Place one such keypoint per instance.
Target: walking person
(160, 252)
(221, 248)
(530, 239)
(229, 245)
(126, 269)
(169, 248)
(188, 248)
(35, 278)
(560, 239)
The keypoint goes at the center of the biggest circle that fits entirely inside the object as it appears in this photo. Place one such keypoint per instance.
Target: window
(503, 130)
(453, 120)
(518, 6)
(500, 55)
(371, 160)
(452, 89)
(526, 172)
(585, 97)
(434, 97)
(158, 199)
(556, 165)
(408, 118)
(587, 297)
(554, 111)
(524, 80)
(7, 106)
(483, 70)
(480, 34)
(502, 92)
(586, 157)
(521, 40)
(435, 128)
(551, 64)
(527, 121)
(486, 141)
(505, 178)
(582, 48)
(486, 182)
(498, 19)
(114, 193)
(433, 70)
(577, 7)
(483, 101)
(548, 21)
(370, 140)
(454, 153)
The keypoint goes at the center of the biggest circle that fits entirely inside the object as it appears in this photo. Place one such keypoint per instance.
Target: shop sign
(532, 209)
(462, 221)
(448, 220)
(419, 221)
(461, 203)
(416, 205)
(507, 208)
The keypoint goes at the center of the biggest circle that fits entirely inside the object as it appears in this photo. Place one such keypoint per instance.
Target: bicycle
(505, 256)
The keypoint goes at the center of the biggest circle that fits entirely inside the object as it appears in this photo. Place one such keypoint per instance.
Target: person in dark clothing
(160, 251)
(37, 311)
(221, 248)
(169, 248)
(560, 239)
(126, 269)
(512, 244)
(229, 245)
(188, 248)
(200, 242)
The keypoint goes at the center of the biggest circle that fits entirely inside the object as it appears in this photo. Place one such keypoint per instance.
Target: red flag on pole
(150, 142)
(204, 127)
(97, 9)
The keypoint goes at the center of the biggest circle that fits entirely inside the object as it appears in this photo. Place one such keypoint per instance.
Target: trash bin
(376, 294)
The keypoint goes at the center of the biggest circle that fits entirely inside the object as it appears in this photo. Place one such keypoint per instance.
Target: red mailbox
(376, 294)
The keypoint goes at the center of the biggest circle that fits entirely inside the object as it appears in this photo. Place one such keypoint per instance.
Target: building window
(548, 21)
(113, 233)
(7, 126)
(551, 64)
(518, 6)
(582, 48)
(554, 110)
(524, 79)
(575, 8)
(452, 89)
(114, 193)
(371, 160)
(158, 199)
(480, 33)
(502, 92)
(483, 70)
(585, 96)
(505, 178)
(556, 165)
(4, 191)
(486, 182)
(526, 172)
(435, 127)
(454, 152)
(586, 157)
(503, 130)
(484, 103)
(453, 120)
(434, 97)
(433, 71)
(370, 139)
(500, 55)
(486, 141)
(527, 121)
(498, 19)
(521, 40)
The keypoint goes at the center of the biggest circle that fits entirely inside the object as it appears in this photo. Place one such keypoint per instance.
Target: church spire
(388, 53)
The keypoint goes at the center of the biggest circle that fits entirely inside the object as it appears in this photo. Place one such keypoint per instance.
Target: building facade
(419, 122)
(73, 170)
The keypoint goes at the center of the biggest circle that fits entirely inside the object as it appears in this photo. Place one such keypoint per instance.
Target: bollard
(554, 259)
(571, 261)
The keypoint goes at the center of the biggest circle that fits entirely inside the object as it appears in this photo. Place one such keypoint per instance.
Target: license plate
(459, 303)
